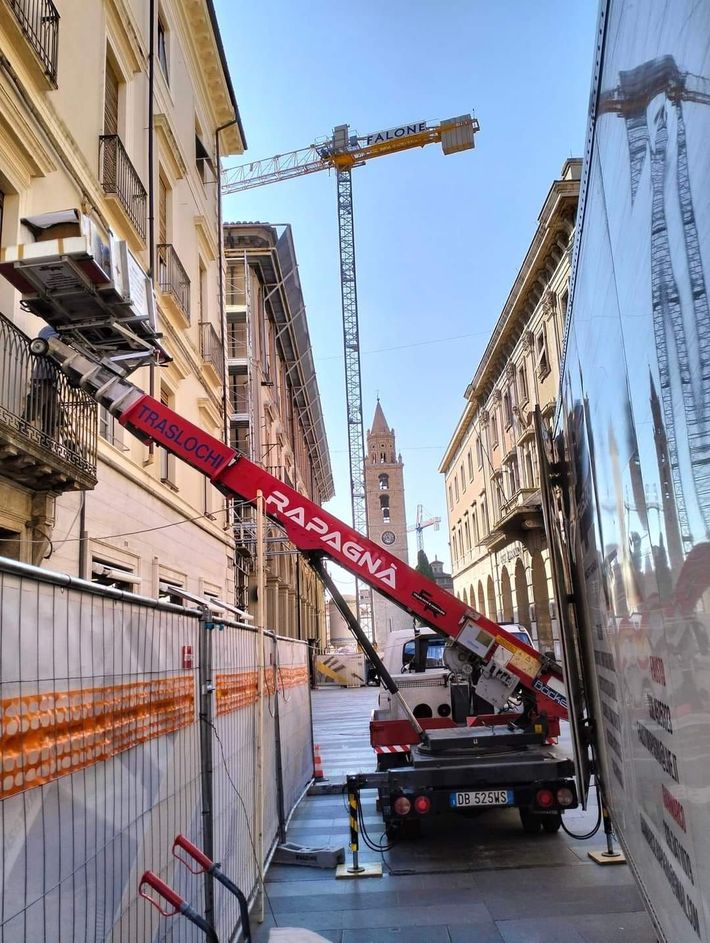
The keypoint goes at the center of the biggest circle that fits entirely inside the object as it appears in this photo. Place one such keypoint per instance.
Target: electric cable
(371, 843)
(246, 814)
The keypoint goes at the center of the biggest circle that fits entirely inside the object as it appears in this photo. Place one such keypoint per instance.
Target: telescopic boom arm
(313, 530)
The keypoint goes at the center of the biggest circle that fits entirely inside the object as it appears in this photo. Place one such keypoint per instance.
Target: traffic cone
(317, 763)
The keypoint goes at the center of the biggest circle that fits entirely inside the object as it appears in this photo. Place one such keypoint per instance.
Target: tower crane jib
(341, 153)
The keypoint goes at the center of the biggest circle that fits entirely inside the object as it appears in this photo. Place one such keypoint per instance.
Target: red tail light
(422, 804)
(544, 798)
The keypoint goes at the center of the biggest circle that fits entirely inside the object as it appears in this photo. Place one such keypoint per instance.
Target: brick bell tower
(386, 518)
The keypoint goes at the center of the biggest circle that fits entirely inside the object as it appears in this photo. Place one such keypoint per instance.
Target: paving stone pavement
(480, 880)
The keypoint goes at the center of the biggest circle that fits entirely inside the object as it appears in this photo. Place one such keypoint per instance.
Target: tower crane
(341, 153)
(421, 524)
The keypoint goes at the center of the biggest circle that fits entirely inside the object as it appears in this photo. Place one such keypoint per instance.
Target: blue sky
(439, 240)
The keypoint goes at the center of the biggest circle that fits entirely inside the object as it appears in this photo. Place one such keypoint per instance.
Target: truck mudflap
(385, 733)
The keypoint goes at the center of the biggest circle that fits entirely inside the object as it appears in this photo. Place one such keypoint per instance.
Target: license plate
(469, 800)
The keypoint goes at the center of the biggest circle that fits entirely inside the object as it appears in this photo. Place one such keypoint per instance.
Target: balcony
(38, 21)
(47, 428)
(519, 518)
(173, 281)
(211, 349)
(120, 178)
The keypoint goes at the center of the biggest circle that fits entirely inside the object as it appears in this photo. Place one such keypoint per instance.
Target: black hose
(594, 831)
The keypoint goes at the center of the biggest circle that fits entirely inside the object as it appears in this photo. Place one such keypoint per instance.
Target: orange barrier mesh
(238, 689)
(234, 690)
(47, 735)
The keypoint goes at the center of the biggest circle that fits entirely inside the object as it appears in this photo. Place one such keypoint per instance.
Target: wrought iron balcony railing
(211, 348)
(120, 178)
(39, 21)
(48, 429)
(172, 278)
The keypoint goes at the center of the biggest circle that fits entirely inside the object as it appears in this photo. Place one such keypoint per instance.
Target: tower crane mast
(421, 524)
(341, 153)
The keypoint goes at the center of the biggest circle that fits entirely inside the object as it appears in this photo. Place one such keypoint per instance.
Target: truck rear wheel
(530, 821)
(403, 829)
(552, 823)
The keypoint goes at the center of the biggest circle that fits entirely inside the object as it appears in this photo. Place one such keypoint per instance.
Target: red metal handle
(194, 852)
(158, 885)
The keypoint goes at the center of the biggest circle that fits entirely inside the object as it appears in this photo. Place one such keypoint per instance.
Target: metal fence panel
(101, 762)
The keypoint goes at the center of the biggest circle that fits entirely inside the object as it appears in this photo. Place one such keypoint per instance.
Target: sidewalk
(479, 880)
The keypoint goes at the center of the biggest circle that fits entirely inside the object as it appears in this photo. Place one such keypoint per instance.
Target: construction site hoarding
(106, 740)
(632, 436)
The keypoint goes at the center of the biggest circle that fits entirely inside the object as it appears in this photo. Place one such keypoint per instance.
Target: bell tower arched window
(384, 482)
(385, 507)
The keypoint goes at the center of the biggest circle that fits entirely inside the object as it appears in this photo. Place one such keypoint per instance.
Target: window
(167, 587)
(484, 515)
(203, 159)
(529, 475)
(434, 652)
(522, 384)
(456, 486)
(118, 575)
(9, 543)
(507, 410)
(463, 478)
(513, 476)
(107, 425)
(467, 532)
(163, 197)
(479, 452)
(564, 301)
(385, 507)
(163, 48)
(383, 481)
(543, 365)
(111, 98)
(167, 460)
(202, 290)
(476, 532)
(494, 430)
(451, 497)
(469, 462)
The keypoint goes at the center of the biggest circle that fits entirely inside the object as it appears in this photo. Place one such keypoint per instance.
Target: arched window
(385, 507)
(384, 481)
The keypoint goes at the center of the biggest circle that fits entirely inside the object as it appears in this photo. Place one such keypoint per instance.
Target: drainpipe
(151, 182)
(83, 539)
(221, 262)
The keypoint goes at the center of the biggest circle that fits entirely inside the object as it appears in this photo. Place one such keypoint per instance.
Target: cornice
(208, 66)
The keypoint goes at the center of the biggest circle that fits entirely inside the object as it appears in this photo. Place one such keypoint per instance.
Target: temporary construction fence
(125, 722)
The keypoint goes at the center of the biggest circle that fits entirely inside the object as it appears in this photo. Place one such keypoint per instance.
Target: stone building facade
(386, 515)
(82, 125)
(275, 415)
(499, 555)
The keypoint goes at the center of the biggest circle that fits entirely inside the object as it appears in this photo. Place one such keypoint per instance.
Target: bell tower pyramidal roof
(379, 423)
